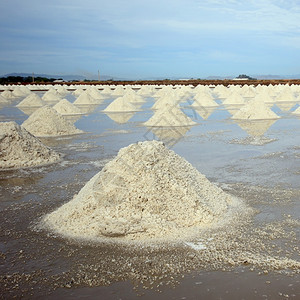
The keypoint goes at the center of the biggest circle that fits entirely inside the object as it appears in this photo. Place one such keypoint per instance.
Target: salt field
(210, 213)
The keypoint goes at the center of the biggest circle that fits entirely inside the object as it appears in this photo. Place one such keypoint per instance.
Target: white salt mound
(3, 100)
(32, 100)
(18, 148)
(255, 110)
(85, 99)
(121, 104)
(170, 115)
(204, 100)
(46, 121)
(52, 96)
(234, 98)
(7, 94)
(64, 107)
(146, 192)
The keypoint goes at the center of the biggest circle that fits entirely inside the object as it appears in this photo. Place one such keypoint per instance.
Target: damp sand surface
(231, 264)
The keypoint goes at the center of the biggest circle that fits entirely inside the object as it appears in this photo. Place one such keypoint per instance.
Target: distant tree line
(28, 79)
(244, 76)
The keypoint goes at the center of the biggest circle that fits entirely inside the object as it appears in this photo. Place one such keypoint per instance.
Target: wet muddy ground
(257, 257)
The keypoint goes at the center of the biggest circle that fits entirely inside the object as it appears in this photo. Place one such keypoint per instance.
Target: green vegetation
(28, 79)
(243, 76)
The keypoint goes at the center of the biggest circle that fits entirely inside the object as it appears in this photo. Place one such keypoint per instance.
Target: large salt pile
(120, 104)
(32, 100)
(46, 121)
(18, 148)
(64, 107)
(146, 192)
(255, 110)
(169, 116)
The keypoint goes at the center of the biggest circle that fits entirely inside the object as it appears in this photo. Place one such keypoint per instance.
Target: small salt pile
(19, 149)
(234, 98)
(255, 110)
(120, 104)
(7, 94)
(64, 107)
(285, 94)
(51, 96)
(21, 91)
(170, 115)
(133, 98)
(147, 192)
(106, 90)
(46, 121)
(118, 91)
(86, 99)
(94, 92)
(248, 91)
(203, 99)
(78, 92)
(62, 90)
(32, 100)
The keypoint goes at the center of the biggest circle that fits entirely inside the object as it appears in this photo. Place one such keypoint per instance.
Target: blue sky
(140, 39)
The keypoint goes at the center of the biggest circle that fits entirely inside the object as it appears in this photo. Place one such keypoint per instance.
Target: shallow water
(263, 169)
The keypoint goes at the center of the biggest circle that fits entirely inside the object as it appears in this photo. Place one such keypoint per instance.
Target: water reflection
(204, 112)
(255, 128)
(169, 135)
(120, 117)
(28, 110)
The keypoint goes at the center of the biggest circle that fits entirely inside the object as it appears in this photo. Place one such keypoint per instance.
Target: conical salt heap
(161, 102)
(85, 99)
(21, 91)
(7, 94)
(94, 92)
(46, 121)
(203, 99)
(255, 110)
(19, 149)
(146, 192)
(170, 115)
(64, 107)
(121, 104)
(32, 100)
(52, 96)
(234, 98)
